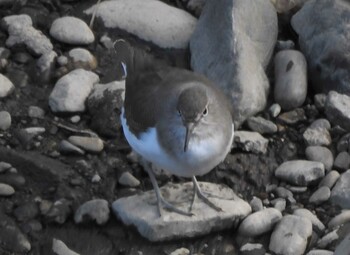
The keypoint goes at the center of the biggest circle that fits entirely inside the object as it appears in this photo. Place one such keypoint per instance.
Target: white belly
(199, 159)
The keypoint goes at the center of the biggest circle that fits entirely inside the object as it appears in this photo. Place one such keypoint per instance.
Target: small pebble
(36, 112)
(96, 209)
(90, 144)
(6, 190)
(330, 179)
(275, 110)
(96, 178)
(256, 204)
(66, 147)
(319, 252)
(252, 249)
(279, 204)
(342, 161)
(4, 166)
(181, 251)
(320, 101)
(75, 119)
(60, 248)
(127, 179)
(292, 117)
(316, 223)
(321, 195)
(320, 154)
(5, 119)
(339, 219)
(261, 125)
(328, 239)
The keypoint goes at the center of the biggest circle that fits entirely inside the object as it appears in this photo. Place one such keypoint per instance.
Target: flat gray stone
(320, 101)
(261, 125)
(228, 58)
(290, 79)
(6, 86)
(127, 179)
(256, 204)
(292, 117)
(291, 235)
(316, 223)
(320, 154)
(328, 239)
(330, 179)
(259, 222)
(343, 247)
(339, 219)
(5, 120)
(36, 112)
(250, 141)
(71, 30)
(168, 27)
(66, 147)
(71, 91)
(96, 210)
(321, 195)
(4, 166)
(252, 249)
(344, 143)
(337, 109)
(60, 248)
(321, 26)
(141, 211)
(90, 144)
(319, 252)
(6, 190)
(300, 172)
(317, 134)
(340, 194)
(21, 31)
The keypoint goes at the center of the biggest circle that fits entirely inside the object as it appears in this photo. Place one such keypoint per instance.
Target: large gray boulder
(322, 26)
(232, 44)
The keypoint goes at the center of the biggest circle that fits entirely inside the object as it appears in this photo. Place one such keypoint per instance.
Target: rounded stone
(91, 144)
(259, 222)
(71, 30)
(320, 154)
(316, 223)
(342, 161)
(5, 120)
(83, 57)
(341, 191)
(339, 219)
(96, 209)
(291, 79)
(127, 179)
(36, 112)
(321, 195)
(6, 190)
(330, 179)
(261, 125)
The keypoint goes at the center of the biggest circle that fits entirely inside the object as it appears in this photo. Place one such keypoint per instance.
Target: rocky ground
(64, 160)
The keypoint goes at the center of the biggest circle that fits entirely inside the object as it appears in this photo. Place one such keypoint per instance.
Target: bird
(176, 119)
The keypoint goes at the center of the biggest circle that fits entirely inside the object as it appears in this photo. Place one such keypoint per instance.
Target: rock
(300, 172)
(168, 27)
(321, 195)
(6, 87)
(90, 144)
(320, 101)
(259, 222)
(344, 143)
(66, 147)
(283, 6)
(19, 77)
(36, 112)
(4, 166)
(96, 210)
(261, 125)
(12, 239)
(141, 211)
(181, 251)
(316, 223)
(290, 236)
(342, 161)
(330, 179)
(26, 211)
(279, 203)
(328, 239)
(291, 79)
(340, 219)
(127, 179)
(21, 31)
(75, 119)
(252, 249)
(12, 179)
(60, 248)
(320, 26)
(59, 211)
(292, 117)
(102, 104)
(96, 178)
(45, 65)
(256, 204)
(274, 110)
(319, 252)
(5, 120)
(340, 194)
(71, 91)
(317, 133)
(320, 154)
(71, 30)
(337, 109)
(229, 58)
(82, 58)
(6, 190)
(343, 247)
(250, 141)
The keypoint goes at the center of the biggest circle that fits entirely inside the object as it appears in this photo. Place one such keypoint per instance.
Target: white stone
(290, 236)
(339, 219)
(5, 120)
(60, 248)
(290, 79)
(337, 109)
(71, 30)
(141, 211)
(327, 239)
(316, 223)
(300, 172)
(168, 27)
(96, 209)
(6, 190)
(181, 251)
(6, 86)
(259, 222)
(127, 179)
(91, 144)
(71, 91)
(99, 89)
(21, 31)
(250, 141)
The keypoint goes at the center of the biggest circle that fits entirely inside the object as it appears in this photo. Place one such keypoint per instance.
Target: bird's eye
(205, 112)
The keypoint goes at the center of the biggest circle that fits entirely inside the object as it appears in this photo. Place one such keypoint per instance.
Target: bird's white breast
(200, 158)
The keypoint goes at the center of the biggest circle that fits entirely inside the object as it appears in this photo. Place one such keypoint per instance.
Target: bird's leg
(197, 192)
(161, 202)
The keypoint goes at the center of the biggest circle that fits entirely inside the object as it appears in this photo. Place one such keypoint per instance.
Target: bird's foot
(162, 203)
(198, 192)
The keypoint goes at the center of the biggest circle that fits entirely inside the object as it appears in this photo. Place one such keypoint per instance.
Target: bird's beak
(189, 130)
